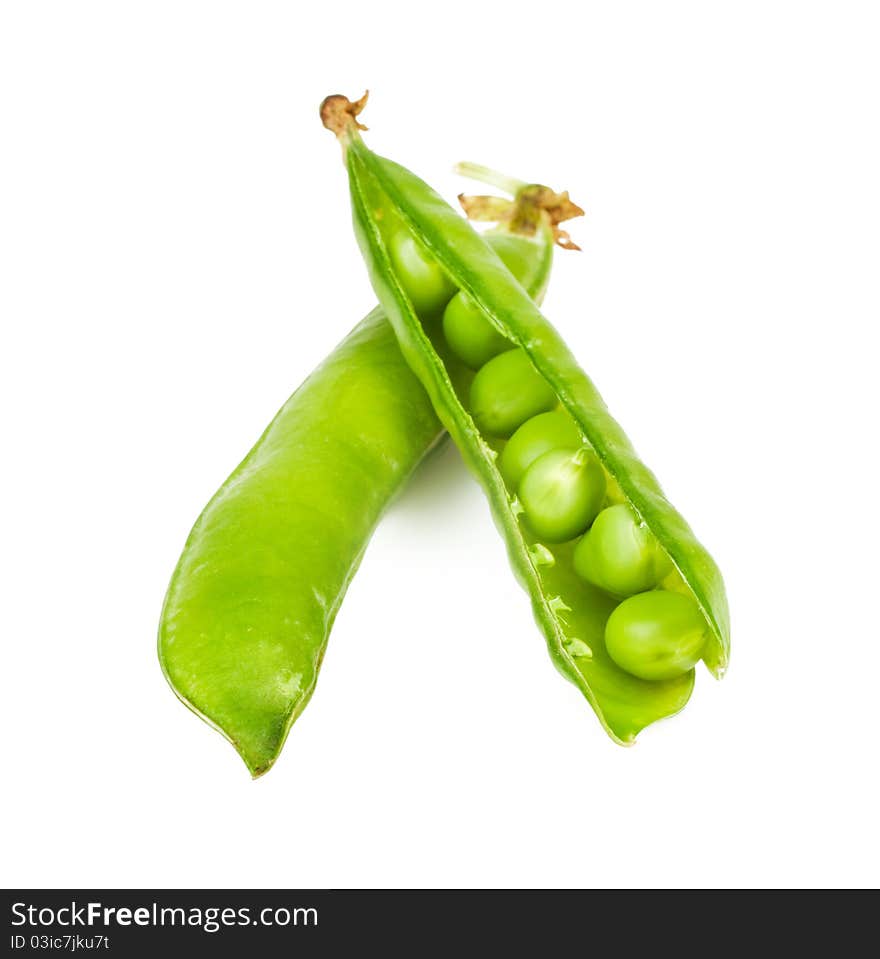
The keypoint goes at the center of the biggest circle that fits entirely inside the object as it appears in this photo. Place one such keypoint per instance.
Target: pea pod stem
(483, 174)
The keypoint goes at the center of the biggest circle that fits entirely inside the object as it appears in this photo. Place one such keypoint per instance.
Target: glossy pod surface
(254, 595)
(572, 612)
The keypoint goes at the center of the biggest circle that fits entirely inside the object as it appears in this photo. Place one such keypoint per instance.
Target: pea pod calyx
(532, 206)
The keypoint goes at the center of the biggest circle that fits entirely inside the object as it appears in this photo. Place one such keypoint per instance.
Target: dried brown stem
(340, 114)
(533, 204)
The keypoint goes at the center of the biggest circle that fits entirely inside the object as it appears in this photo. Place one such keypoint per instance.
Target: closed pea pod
(255, 592)
(572, 612)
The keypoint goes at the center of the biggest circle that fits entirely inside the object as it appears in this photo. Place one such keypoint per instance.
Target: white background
(177, 256)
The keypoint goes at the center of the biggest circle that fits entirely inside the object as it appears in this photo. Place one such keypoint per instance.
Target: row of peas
(653, 633)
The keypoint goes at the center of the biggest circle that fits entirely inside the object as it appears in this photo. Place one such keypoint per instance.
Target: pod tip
(339, 114)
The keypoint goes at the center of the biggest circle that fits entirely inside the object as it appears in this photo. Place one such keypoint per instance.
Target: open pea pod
(391, 208)
(255, 592)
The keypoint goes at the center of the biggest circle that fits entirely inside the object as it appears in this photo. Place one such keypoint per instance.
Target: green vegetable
(266, 566)
(387, 198)
(621, 555)
(656, 635)
(540, 434)
(561, 493)
(425, 283)
(470, 336)
(506, 392)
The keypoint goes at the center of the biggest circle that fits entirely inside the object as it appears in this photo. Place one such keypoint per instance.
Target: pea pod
(386, 200)
(264, 571)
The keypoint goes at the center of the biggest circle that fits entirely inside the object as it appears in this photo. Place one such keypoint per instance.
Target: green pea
(620, 554)
(506, 392)
(546, 431)
(561, 493)
(470, 336)
(427, 286)
(656, 635)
